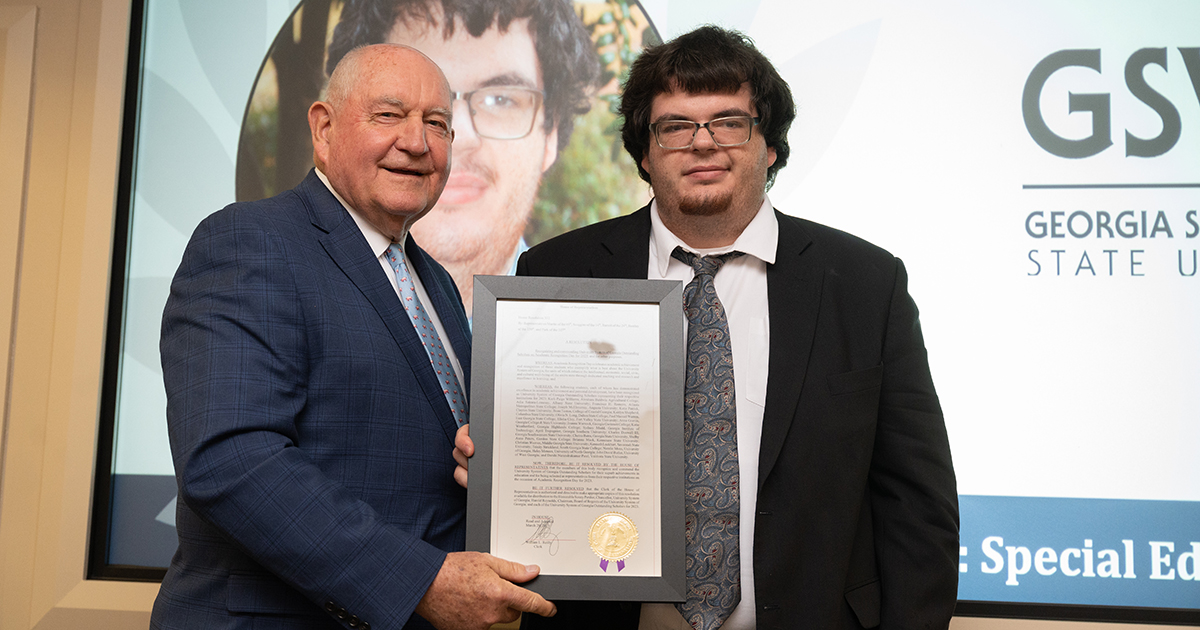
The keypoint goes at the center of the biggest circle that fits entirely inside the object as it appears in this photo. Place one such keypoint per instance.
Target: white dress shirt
(742, 288)
(379, 244)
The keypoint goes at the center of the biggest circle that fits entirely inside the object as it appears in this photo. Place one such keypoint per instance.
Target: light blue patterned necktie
(428, 334)
(711, 505)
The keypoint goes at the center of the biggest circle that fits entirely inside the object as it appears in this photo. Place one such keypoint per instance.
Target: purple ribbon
(604, 566)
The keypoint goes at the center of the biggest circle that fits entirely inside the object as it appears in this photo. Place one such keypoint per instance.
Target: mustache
(473, 167)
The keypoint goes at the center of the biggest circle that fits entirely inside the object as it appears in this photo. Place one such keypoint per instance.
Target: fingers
(513, 571)
(460, 473)
(464, 448)
(473, 590)
(527, 601)
(522, 599)
(462, 441)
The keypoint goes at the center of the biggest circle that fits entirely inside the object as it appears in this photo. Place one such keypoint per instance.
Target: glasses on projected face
(502, 113)
(726, 132)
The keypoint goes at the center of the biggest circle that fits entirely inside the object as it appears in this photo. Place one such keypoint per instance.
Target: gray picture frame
(668, 294)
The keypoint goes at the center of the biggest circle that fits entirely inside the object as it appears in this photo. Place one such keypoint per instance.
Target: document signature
(543, 536)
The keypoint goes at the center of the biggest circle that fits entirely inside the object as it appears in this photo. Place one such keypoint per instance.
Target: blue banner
(1099, 552)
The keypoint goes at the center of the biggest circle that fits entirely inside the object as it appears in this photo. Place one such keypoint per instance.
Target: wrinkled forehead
(401, 74)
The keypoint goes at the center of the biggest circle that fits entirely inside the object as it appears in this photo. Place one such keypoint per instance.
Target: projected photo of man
(524, 73)
(521, 71)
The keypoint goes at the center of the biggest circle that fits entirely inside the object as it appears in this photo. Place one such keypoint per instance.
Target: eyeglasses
(726, 132)
(502, 113)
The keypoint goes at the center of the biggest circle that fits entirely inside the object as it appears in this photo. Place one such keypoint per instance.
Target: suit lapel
(628, 248)
(348, 248)
(794, 299)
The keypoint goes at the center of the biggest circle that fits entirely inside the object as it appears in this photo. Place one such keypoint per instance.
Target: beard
(706, 205)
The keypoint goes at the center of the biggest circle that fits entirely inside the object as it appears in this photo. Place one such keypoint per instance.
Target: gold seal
(613, 536)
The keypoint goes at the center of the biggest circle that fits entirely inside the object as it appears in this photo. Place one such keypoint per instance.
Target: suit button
(342, 614)
(330, 607)
(364, 626)
(353, 621)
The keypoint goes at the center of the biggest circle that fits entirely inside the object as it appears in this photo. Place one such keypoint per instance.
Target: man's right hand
(464, 449)
(475, 590)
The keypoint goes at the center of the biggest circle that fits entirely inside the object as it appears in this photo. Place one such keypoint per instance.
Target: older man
(520, 70)
(315, 361)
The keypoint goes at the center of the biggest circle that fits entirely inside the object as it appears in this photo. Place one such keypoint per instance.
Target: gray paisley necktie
(714, 582)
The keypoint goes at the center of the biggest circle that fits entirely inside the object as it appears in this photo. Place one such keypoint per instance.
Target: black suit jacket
(857, 513)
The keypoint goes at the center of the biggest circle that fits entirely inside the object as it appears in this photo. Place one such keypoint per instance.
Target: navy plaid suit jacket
(311, 439)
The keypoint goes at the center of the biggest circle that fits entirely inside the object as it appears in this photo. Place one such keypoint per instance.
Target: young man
(811, 413)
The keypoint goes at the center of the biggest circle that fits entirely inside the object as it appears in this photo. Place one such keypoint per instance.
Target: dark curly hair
(568, 60)
(708, 59)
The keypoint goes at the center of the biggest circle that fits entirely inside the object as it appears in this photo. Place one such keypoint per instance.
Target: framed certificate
(577, 418)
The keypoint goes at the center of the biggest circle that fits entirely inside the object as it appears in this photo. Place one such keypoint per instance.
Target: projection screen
(1036, 164)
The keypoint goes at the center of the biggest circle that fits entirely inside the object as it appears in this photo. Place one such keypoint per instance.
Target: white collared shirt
(742, 288)
(379, 244)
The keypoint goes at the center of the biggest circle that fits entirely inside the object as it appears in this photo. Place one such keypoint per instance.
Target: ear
(770, 157)
(320, 123)
(551, 153)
